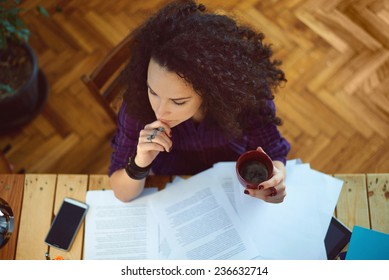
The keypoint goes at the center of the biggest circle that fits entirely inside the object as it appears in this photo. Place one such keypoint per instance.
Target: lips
(166, 121)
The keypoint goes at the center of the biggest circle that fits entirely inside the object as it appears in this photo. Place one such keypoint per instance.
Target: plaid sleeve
(125, 140)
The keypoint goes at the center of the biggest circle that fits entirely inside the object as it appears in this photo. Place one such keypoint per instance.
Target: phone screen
(66, 223)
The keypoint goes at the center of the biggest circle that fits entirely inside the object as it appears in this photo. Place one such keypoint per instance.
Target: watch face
(6, 222)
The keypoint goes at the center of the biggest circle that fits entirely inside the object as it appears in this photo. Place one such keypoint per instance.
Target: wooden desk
(34, 199)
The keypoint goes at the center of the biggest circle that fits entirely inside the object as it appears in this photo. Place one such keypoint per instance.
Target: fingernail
(246, 192)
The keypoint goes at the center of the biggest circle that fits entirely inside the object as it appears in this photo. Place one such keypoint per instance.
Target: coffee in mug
(254, 172)
(254, 167)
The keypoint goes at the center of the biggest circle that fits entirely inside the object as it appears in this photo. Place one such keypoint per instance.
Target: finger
(276, 199)
(270, 194)
(262, 193)
(273, 181)
(278, 190)
(147, 146)
(152, 132)
(253, 193)
(161, 139)
(261, 150)
(158, 124)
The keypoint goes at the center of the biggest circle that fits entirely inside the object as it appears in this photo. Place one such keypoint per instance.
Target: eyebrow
(175, 99)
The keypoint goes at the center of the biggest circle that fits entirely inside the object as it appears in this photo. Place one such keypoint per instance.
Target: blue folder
(367, 244)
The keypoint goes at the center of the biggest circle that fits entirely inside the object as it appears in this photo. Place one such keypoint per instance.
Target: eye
(151, 92)
(179, 103)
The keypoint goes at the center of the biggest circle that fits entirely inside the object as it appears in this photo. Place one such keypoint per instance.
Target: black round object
(19, 108)
(6, 222)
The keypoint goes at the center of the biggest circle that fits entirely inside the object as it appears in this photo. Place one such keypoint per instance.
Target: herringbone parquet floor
(335, 105)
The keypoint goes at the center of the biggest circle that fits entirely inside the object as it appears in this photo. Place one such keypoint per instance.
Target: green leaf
(6, 88)
(9, 27)
(12, 26)
(42, 10)
(23, 34)
(19, 23)
(14, 11)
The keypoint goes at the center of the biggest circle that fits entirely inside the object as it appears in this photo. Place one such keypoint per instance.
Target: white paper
(225, 172)
(296, 228)
(176, 180)
(208, 217)
(164, 247)
(117, 230)
(281, 229)
(199, 221)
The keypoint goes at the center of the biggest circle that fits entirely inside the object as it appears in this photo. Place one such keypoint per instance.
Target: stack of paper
(296, 228)
(117, 230)
(199, 222)
(209, 217)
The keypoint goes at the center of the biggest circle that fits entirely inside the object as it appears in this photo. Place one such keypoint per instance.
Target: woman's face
(172, 99)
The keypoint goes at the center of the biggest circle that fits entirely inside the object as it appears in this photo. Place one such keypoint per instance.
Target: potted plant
(23, 87)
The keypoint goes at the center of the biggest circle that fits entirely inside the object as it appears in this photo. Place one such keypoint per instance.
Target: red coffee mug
(254, 167)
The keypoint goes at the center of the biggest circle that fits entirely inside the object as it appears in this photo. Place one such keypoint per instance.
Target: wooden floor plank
(336, 60)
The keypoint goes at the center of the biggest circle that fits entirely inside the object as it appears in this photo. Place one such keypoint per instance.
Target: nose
(162, 110)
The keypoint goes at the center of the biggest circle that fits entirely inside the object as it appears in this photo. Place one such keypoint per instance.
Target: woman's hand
(150, 146)
(274, 189)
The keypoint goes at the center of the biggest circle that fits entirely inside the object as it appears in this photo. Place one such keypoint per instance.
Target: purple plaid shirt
(195, 148)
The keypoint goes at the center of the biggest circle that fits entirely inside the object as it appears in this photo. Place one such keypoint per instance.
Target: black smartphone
(66, 223)
(337, 237)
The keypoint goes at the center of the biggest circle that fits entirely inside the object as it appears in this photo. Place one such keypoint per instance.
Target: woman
(199, 92)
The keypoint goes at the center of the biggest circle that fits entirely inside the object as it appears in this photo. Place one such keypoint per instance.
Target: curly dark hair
(227, 64)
